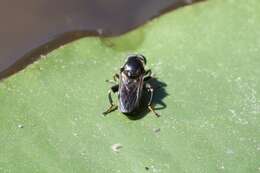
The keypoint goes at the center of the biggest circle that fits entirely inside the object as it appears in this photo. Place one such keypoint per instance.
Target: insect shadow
(159, 94)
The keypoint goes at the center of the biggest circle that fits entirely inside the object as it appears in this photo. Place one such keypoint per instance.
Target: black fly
(133, 78)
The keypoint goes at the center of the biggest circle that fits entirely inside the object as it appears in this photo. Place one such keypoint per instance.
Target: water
(31, 28)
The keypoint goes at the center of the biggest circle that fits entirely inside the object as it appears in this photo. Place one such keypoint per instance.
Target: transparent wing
(130, 91)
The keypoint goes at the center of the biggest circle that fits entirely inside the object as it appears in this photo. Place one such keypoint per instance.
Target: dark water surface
(30, 28)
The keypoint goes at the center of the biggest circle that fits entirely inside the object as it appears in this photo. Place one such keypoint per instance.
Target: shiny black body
(133, 78)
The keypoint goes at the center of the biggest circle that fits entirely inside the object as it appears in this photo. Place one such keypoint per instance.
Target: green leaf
(207, 54)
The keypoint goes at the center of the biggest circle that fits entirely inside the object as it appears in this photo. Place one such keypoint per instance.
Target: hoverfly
(131, 81)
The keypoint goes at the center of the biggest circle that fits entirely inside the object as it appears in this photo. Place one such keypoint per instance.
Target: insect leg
(112, 105)
(147, 78)
(148, 72)
(148, 75)
(151, 90)
(115, 77)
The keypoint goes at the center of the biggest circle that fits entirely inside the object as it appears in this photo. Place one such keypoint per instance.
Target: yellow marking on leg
(152, 110)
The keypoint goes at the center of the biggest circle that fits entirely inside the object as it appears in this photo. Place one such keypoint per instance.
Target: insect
(132, 80)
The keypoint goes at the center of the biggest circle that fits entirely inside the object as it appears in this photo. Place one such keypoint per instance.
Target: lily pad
(208, 56)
